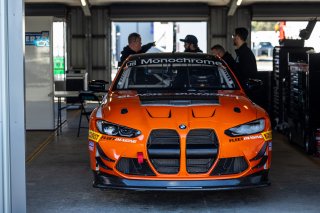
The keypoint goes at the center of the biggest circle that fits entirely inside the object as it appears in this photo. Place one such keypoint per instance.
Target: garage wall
(39, 101)
(89, 42)
(101, 44)
(285, 11)
(218, 26)
(159, 12)
(221, 26)
(89, 38)
(76, 39)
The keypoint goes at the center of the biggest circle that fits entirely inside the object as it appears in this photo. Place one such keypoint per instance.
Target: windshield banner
(172, 61)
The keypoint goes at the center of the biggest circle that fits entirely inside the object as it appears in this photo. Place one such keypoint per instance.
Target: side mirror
(253, 84)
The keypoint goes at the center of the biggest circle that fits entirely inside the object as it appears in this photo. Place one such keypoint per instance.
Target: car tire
(290, 136)
(309, 142)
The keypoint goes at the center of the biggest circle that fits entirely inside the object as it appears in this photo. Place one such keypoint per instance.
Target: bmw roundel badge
(182, 126)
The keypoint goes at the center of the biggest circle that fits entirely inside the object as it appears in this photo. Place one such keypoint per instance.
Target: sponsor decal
(244, 138)
(38, 39)
(125, 140)
(236, 139)
(172, 61)
(91, 146)
(109, 138)
(267, 135)
(94, 136)
(178, 94)
(270, 146)
(131, 63)
(252, 137)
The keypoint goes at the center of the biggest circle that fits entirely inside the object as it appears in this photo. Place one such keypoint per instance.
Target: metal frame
(12, 115)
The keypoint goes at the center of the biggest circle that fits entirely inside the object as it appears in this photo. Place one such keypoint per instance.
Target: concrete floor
(59, 180)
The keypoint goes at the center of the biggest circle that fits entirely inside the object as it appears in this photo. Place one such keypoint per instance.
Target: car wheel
(290, 136)
(309, 142)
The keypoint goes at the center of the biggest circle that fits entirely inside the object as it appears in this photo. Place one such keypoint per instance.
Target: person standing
(219, 51)
(134, 47)
(191, 44)
(246, 64)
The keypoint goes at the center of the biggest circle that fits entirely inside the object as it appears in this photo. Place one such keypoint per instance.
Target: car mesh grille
(228, 166)
(201, 150)
(164, 150)
(131, 166)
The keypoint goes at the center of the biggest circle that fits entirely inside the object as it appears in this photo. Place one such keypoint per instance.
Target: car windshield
(175, 76)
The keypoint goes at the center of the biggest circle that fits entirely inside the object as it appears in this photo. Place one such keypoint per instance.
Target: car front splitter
(105, 181)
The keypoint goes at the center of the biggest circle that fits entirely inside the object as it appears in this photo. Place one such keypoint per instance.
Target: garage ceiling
(210, 2)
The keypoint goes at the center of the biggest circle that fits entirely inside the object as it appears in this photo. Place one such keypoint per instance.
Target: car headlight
(116, 130)
(250, 128)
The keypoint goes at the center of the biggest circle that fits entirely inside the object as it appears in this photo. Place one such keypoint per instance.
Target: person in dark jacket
(191, 44)
(218, 50)
(134, 47)
(246, 64)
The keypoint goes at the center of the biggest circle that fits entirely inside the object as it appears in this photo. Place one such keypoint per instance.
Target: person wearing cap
(246, 64)
(134, 47)
(191, 44)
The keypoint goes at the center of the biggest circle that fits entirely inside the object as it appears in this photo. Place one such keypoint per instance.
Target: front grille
(131, 166)
(164, 150)
(201, 150)
(227, 166)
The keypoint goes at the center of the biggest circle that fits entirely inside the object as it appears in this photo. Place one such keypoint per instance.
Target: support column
(12, 112)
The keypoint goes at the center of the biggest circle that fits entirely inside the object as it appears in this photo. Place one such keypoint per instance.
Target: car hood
(132, 109)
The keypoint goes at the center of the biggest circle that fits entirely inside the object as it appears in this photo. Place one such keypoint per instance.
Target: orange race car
(178, 121)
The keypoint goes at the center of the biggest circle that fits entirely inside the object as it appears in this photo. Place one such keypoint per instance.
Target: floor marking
(37, 151)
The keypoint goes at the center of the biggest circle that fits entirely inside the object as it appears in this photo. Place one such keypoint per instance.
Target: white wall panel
(39, 77)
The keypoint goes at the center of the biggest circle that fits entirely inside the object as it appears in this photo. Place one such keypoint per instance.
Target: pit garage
(53, 53)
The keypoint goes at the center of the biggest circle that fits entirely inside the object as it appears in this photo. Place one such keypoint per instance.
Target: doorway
(166, 34)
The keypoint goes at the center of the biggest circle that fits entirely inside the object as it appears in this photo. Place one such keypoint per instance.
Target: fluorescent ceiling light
(233, 6)
(83, 3)
(85, 7)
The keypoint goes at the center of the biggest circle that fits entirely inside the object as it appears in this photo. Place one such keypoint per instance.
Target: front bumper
(105, 181)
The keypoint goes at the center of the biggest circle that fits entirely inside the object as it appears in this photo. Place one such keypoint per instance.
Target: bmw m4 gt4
(178, 121)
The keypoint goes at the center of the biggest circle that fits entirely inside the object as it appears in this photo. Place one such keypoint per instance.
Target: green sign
(58, 65)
